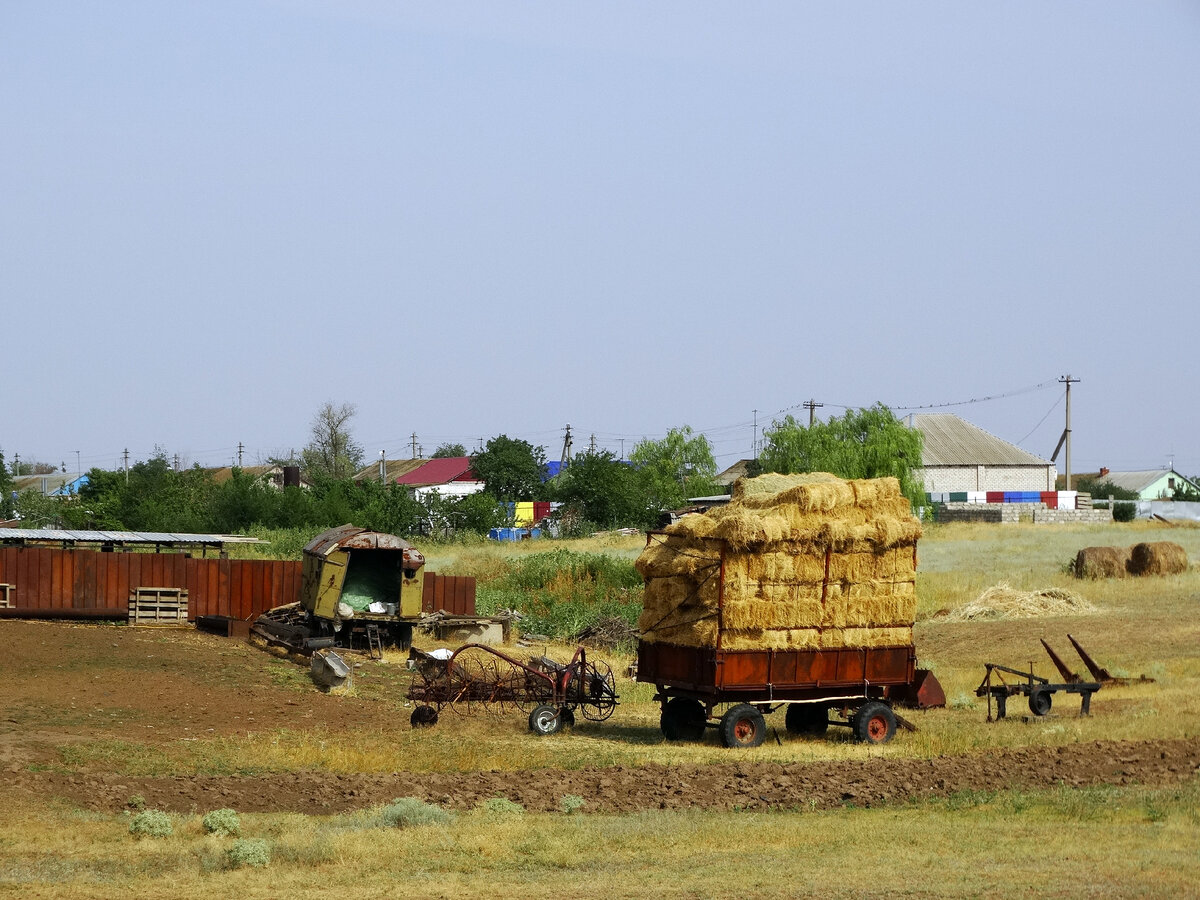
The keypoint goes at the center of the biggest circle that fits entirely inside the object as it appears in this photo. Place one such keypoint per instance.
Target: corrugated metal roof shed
(951, 441)
(118, 538)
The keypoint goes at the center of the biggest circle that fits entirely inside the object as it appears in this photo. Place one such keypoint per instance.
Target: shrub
(137, 802)
(571, 803)
(409, 812)
(1123, 511)
(222, 822)
(503, 806)
(252, 852)
(151, 823)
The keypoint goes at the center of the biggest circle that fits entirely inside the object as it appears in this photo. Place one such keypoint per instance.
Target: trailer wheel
(874, 723)
(807, 718)
(545, 719)
(566, 717)
(683, 719)
(423, 717)
(1039, 702)
(743, 726)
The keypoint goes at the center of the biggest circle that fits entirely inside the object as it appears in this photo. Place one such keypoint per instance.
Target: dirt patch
(624, 788)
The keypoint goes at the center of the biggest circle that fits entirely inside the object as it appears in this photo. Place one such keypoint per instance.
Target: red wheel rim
(877, 728)
(743, 730)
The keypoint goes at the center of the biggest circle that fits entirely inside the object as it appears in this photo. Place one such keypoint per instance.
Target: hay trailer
(852, 687)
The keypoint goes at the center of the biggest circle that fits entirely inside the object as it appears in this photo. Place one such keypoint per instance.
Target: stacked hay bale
(811, 562)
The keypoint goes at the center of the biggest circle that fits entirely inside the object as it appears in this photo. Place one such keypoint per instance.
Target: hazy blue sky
(470, 219)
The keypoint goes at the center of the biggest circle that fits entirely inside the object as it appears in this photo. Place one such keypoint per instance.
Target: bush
(571, 803)
(222, 822)
(409, 812)
(1123, 511)
(503, 806)
(252, 852)
(151, 823)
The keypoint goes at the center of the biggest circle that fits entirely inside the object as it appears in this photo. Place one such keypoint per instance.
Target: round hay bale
(1101, 562)
(1157, 558)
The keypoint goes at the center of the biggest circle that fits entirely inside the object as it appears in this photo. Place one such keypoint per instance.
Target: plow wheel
(423, 717)
(743, 726)
(545, 719)
(873, 723)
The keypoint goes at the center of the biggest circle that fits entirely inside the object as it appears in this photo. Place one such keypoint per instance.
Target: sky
(472, 219)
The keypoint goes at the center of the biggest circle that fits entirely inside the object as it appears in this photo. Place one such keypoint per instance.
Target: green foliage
(137, 803)
(604, 490)
(6, 487)
(571, 803)
(511, 468)
(331, 452)
(679, 466)
(1124, 511)
(1102, 490)
(222, 822)
(502, 806)
(410, 812)
(449, 451)
(561, 592)
(152, 823)
(863, 443)
(249, 852)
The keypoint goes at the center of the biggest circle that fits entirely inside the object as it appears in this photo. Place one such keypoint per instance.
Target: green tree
(449, 451)
(679, 466)
(6, 489)
(511, 468)
(331, 451)
(604, 490)
(862, 443)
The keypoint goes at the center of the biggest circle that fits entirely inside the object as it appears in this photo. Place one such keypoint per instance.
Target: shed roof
(1136, 481)
(951, 441)
(439, 471)
(393, 469)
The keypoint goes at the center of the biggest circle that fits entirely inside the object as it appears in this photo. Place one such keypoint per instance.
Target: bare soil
(65, 683)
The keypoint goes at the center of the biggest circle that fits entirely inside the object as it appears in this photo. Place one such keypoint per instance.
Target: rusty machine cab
(357, 577)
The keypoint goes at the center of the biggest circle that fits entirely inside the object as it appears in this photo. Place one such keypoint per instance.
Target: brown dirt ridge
(737, 785)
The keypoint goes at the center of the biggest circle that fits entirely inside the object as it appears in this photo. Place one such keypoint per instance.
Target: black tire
(743, 726)
(545, 719)
(566, 717)
(683, 719)
(1039, 702)
(807, 718)
(874, 723)
(423, 717)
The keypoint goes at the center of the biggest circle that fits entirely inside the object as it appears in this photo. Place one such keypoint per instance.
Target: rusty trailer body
(861, 685)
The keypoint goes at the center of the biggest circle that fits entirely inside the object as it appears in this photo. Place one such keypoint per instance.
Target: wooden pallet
(158, 606)
(7, 601)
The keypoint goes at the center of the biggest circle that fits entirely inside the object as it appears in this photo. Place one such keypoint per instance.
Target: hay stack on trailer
(811, 562)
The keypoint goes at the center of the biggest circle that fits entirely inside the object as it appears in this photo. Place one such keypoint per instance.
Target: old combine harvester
(800, 593)
(363, 590)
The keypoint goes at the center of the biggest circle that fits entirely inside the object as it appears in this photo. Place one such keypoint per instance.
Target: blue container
(1012, 496)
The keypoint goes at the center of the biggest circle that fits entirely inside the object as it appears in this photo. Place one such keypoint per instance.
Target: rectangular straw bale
(699, 634)
(664, 557)
(772, 639)
(807, 594)
(747, 614)
(870, 610)
(835, 638)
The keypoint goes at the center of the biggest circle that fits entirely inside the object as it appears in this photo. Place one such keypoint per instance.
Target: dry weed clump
(1002, 601)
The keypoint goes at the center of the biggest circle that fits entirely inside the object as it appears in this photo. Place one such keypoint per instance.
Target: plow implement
(479, 678)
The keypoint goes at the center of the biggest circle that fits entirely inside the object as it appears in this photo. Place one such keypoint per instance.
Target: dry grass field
(99, 721)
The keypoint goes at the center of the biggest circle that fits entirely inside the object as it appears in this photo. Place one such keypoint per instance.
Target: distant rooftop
(951, 441)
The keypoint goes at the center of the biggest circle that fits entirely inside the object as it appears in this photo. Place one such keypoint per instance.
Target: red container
(995, 496)
(1050, 498)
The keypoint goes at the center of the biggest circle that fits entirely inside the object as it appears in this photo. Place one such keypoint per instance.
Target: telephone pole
(126, 456)
(240, 449)
(565, 458)
(754, 446)
(811, 406)
(1066, 435)
(414, 446)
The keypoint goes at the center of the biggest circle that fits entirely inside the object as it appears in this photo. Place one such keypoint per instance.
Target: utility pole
(622, 448)
(240, 449)
(754, 446)
(593, 444)
(1066, 435)
(176, 462)
(78, 472)
(382, 469)
(811, 406)
(565, 457)
(414, 446)
(16, 465)
(126, 456)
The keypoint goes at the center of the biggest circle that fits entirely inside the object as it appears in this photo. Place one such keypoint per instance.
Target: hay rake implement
(478, 678)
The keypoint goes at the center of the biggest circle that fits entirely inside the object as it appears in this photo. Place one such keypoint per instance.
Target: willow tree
(862, 443)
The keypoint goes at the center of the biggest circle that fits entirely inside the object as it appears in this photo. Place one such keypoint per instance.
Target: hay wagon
(799, 594)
